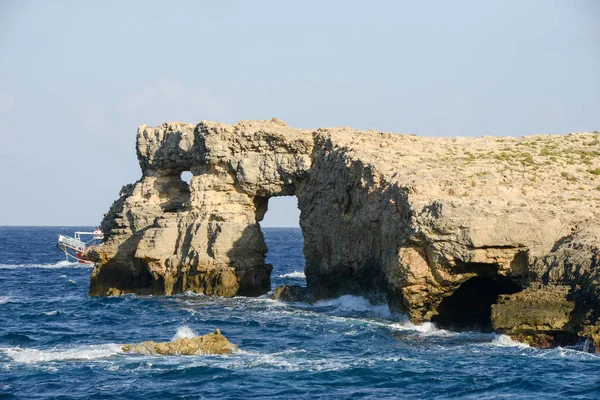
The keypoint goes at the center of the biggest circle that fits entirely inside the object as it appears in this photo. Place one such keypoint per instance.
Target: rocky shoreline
(495, 234)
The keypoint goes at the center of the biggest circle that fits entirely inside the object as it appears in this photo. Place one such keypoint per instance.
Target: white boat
(74, 247)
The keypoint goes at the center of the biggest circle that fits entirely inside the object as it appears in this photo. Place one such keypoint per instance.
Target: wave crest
(91, 352)
(57, 265)
(505, 341)
(295, 275)
(355, 304)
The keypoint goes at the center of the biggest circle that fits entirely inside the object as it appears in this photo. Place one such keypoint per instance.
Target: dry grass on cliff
(552, 169)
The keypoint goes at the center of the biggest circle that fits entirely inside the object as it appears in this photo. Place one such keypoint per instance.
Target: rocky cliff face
(459, 231)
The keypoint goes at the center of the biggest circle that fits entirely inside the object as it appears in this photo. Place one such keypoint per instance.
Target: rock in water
(444, 227)
(563, 298)
(213, 343)
(294, 293)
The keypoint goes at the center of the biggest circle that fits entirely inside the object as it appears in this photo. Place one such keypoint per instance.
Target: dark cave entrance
(470, 306)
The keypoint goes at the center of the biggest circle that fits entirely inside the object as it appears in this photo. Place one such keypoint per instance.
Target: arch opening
(284, 240)
(281, 212)
(186, 176)
(173, 191)
(470, 306)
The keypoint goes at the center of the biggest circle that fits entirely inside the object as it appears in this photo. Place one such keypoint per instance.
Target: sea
(56, 342)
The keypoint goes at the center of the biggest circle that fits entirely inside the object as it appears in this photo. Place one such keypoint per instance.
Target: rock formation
(213, 343)
(440, 228)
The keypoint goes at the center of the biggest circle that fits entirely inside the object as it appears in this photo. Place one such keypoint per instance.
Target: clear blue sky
(78, 77)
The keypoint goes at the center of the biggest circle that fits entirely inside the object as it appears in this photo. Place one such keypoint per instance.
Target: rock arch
(411, 221)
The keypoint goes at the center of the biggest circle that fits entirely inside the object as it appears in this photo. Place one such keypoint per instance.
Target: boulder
(212, 343)
(291, 293)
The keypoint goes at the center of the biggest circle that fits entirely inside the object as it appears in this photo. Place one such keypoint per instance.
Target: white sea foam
(91, 352)
(193, 294)
(426, 328)
(183, 332)
(556, 353)
(356, 304)
(295, 275)
(60, 264)
(506, 341)
(561, 352)
(4, 299)
(288, 360)
(291, 360)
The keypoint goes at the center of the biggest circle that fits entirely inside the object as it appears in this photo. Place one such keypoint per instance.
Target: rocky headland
(492, 233)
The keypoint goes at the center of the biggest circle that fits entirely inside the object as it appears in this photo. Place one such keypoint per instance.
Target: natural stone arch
(382, 215)
(204, 236)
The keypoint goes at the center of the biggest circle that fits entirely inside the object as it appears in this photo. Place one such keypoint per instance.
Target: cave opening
(470, 306)
(281, 229)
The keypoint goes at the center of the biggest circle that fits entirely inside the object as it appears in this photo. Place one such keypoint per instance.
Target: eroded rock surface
(440, 228)
(213, 343)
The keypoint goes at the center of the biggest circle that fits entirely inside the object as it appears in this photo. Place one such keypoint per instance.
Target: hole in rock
(173, 191)
(186, 176)
(283, 236)
(470, 306)
(282, 212)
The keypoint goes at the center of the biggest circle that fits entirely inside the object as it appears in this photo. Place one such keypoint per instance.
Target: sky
(78, 77)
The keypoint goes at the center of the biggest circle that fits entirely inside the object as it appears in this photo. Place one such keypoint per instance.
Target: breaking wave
(505, 341)
(426, 328)
(355, 304)
(60, 264)
(295, 275)
(91, 352)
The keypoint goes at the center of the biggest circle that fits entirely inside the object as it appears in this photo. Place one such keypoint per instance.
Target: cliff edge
(472, 233)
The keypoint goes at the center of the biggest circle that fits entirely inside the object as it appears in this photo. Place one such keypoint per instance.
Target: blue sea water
(56, 342)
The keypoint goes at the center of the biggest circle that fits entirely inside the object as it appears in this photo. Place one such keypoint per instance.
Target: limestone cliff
(442, 229)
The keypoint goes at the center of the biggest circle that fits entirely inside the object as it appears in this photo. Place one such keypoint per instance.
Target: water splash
(183, 332)
(295, 275)
(355, 304)
(426, 328)
(506, 341)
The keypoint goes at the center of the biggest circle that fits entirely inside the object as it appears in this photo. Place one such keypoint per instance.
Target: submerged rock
(443, 227)
(212, 343)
